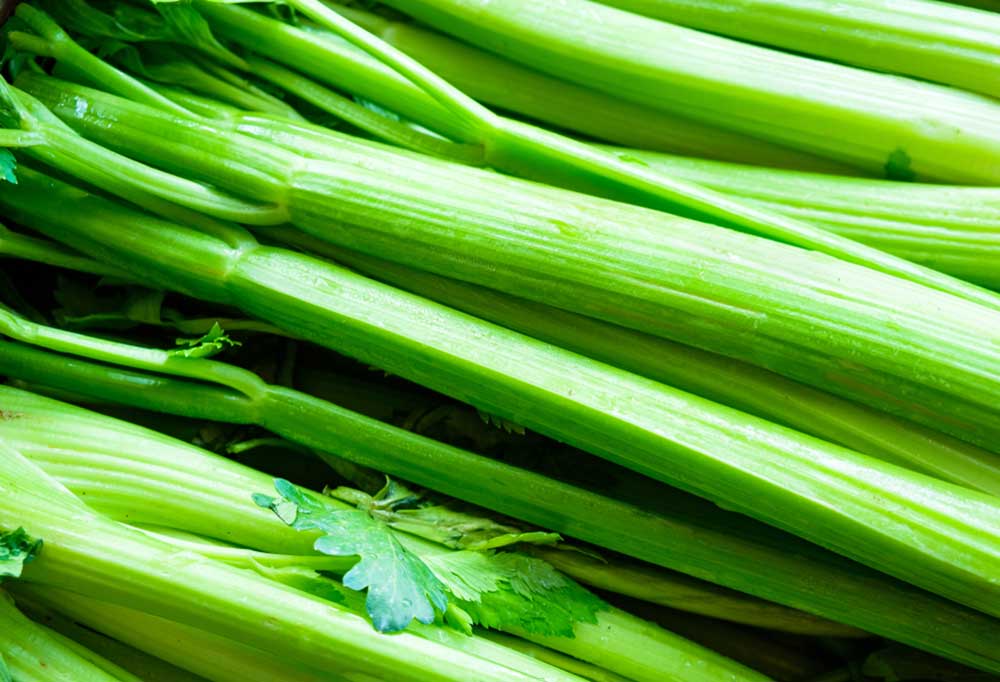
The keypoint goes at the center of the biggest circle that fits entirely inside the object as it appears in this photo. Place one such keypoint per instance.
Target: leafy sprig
(401, 588)
(17, 548)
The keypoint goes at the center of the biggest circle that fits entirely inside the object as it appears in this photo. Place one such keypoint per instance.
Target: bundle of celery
(319, 369)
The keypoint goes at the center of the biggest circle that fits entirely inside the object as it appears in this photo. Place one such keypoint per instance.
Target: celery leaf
(212, 343)
(17, 548)
(514, 592)
(401, 588)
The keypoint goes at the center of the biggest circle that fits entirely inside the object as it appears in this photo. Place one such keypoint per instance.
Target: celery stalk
(927, 40)
(146, 667)
(828, 494)
(94, 556)
(524, 150)
(952, 229)
(492, 80)
(882, 121)
(818, 320)
(38, 655)
(209, 656)
(221, 507)
(507, 489)
(728, 382)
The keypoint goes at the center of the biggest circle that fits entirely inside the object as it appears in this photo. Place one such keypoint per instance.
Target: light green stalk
(202, 653)
(94, 556)
(928, 40)
(925, 531)
(221, 507)
(527, 151)
(881, 122)
(852, 331)
(146, 667)
(35, 654)
(726, 381)
(952, 229)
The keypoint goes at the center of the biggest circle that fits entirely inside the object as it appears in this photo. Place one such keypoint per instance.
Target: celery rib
(945, 134)
(700, 446)
(817, 320)
(926, 40)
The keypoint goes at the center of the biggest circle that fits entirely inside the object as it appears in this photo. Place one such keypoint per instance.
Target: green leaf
(17, 548)
(513, 592)
(84, 19)
(409, 512)
(212, 343)
(189, 27)
(8, 164)
(401, 588)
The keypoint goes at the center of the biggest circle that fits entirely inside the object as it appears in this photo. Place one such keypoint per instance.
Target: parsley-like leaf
(514, 592)
(410, 512)
(17, 548)
(401, 588)
(212, 343)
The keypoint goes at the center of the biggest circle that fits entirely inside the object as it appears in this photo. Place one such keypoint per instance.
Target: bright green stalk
(849, 330)
(931, 41)
(36, 655)
(94, 556)
(512, 87)
(167, 66)
(507, 489)
(202, 653)
(394, 132)
(52, 41)
(574, 665)
(14, 245)
(527, 151)
(881, 121)
(142, 185)
(952, 229)
(903, 523)
(725, 381)
(221, 507)
(147, 668)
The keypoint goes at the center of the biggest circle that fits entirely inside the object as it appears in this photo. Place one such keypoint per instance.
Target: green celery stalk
(52, 41)
(882, 122)
(952, 229)
(94, 556)
(14, 245)
(725, 381)
(492, 80)
(201, 653)
(168, 66)
(533, 498)
(846, 329)
(584, 670)
(221, 507)
(927, 532)
(35, 654)
(931, 41)
(147, 668)
(527, 151)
